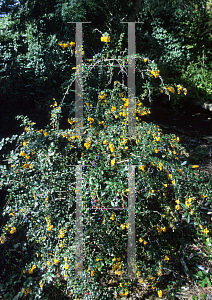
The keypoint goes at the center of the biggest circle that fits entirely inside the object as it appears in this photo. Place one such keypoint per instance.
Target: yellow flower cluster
(49, 224)
(160, 294)
(112, 148)
(171, 89)
(113, 162)
(2, 239)
(65, 45)
(123, 226)
(12, 230)
(206, 231)
(50, 227)
(117, 267)
(155, 73)
(27, 291)
(161, 229)
(91, 120)
(180, 90)
(105, 39)
(102, 96)
(112, 217)
(188, 201)
(113, 108)
(24, 154)
(144, 112)
(61, 234)
(24, 143)
(41, 284)
(125, 293)
(71, 122)
(27, 166)
(32, 269)
(87, 144)
(56, 261)
(142, 241)
(142, 167)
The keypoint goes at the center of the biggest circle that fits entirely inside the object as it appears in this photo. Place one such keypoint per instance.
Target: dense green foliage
(38, 174)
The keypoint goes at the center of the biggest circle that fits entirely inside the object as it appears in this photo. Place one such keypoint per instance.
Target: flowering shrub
(40, 177)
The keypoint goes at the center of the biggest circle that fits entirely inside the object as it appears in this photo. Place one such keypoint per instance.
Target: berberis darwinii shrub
(38, 239)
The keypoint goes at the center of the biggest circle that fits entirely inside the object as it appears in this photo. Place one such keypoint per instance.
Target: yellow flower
(160, 294)
(202, 195)
(48, 263)
(173, 182)
(112, 148)
(113, 108)
(112, 217)
(87, 145)
(122, 226)
(142, 167)
(164, 229)
(91, 120)
(195, 166)
(45, 133)
(92, 273)
(72, 43)
(145, 60)
(41, 284)
(177, 201)
(22, 154)
(187, 204)
(98, 259)
(56, 261)
(159, 229)
(105, 142)
(12, 230)
(61, 235)
(145, 242)
(66, 267)
(105, 39)
(177, 207)
(140, 240)
(50, 228)
(156, 150)
(166, 258)
(112, 162)
(171, 89)
(206, 230)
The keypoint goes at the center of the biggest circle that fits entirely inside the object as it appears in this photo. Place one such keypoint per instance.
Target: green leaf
(184, 206)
